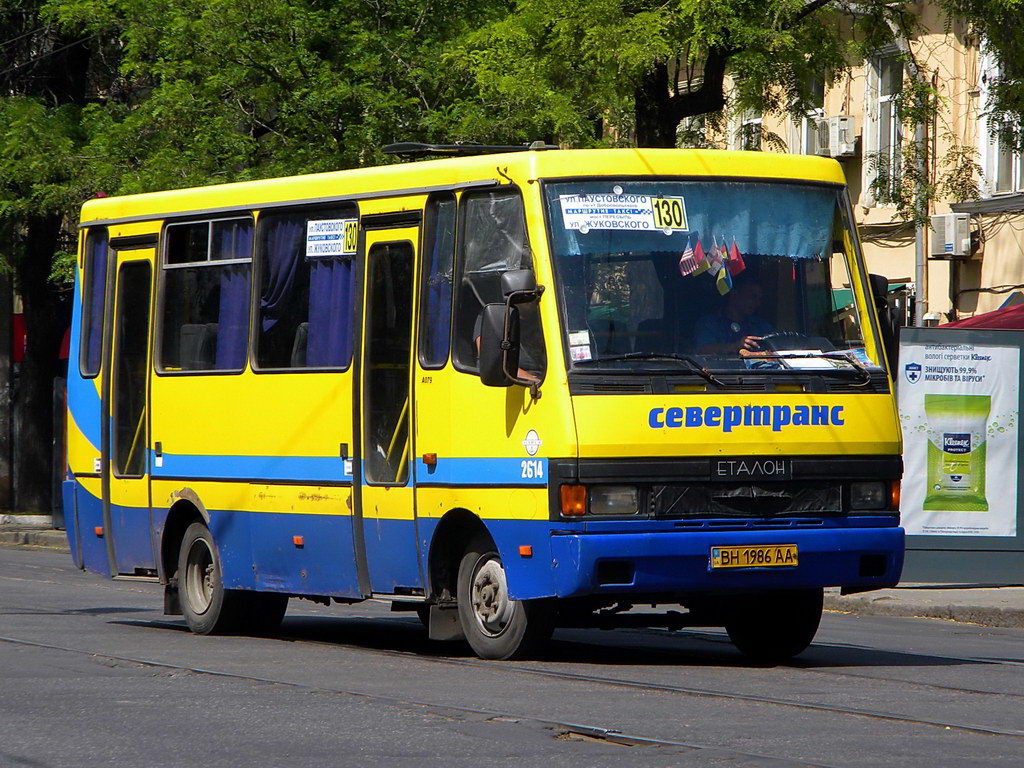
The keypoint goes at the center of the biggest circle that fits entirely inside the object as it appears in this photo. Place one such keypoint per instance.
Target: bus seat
(197, 344)
(299, 345)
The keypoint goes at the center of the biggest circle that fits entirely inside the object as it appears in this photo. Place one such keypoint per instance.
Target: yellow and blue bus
(509, 391)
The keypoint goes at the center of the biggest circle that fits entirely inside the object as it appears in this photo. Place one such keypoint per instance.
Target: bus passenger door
(385, 508)
(126, 495)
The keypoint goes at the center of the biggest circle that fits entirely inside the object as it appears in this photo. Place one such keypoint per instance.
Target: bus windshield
(727, 275)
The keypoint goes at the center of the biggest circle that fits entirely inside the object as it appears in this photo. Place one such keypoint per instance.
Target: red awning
(1009, 318)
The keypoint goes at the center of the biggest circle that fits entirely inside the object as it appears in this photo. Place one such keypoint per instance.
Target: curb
(987, 616)
(44, 538)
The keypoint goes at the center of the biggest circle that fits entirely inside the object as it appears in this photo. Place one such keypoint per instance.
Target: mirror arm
(518, 297)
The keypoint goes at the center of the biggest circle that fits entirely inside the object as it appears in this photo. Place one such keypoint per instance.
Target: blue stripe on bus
(483, 471)
(452, 471)
(310, 469)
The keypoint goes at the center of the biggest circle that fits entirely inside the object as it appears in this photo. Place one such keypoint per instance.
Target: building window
(306, 288)
(206, 285)
(884, 133)
(808, 143)
(747, 131)
(1002, 164)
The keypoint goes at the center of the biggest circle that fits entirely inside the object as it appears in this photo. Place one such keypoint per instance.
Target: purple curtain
(233, 240)
(280, 265)
(330, 312)
(96, 259)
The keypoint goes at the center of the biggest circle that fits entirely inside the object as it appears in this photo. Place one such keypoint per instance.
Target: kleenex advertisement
(959, 410)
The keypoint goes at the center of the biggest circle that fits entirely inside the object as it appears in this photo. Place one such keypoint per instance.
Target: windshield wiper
(695, 367)
(844, 357)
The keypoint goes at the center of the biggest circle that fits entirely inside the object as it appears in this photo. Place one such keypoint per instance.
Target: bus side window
(493, 240)
(94, 291)
(305, 267)
(205, 315)
(436, 290)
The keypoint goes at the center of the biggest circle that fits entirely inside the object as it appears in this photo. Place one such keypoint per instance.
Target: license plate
(761, 556)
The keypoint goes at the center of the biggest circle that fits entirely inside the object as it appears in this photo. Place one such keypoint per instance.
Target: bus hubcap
(491, 606)
(199, 576)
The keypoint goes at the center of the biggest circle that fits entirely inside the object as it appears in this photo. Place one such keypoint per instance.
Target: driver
(736, 328)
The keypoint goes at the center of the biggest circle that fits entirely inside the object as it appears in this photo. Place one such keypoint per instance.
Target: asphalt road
(93, 674)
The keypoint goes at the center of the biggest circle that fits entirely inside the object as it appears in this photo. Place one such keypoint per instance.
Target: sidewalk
(31, 531)
(988, 606)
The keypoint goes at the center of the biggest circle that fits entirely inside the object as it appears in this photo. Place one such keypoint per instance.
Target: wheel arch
(456, 528)
(185, 509)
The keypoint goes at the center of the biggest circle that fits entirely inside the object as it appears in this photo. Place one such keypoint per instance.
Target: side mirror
(879, 288)
(517, 281)
(889, 329)
(499, 345)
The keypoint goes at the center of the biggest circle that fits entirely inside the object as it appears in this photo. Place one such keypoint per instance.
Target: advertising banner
(958, 407)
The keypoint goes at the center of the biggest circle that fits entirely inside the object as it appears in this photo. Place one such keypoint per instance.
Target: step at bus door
(385, 507)
(125, 436)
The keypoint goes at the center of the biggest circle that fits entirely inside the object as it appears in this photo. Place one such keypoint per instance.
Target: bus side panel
(68, 495)
(89, 504)
(132, 536)
(231, 532)
(318, 562)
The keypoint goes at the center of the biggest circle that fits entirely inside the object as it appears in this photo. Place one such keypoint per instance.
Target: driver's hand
(750, 346)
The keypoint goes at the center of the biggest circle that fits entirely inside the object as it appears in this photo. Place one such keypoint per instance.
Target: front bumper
(679, 561)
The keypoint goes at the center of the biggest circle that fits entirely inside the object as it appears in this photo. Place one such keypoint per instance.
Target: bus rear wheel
(496, 626)
(775, 627)
(208, 607)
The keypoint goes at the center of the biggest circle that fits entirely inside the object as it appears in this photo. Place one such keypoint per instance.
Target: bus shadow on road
(608, 648)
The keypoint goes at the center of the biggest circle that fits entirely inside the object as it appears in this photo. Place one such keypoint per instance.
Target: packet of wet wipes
(957, 426)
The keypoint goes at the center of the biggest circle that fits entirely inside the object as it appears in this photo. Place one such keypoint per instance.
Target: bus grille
(745, 500)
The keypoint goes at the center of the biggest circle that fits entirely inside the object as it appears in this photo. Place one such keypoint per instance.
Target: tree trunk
(46, 318)
(655, 119)
(6, 412)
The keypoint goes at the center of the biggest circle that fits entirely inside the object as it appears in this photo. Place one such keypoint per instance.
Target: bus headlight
(872, 495)
(613, 500)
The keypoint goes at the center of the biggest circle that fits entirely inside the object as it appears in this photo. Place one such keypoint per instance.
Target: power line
(25, 34)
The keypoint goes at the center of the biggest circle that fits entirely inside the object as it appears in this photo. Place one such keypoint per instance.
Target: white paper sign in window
(331, 237)
(641, 213)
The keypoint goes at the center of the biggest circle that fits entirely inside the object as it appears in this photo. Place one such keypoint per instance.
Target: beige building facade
(857, 123)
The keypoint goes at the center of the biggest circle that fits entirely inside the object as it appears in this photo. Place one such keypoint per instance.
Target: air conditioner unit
(951, 236)
(837, 136)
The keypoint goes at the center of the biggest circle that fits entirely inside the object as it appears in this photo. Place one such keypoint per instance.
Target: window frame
(88, 268)
(257, 277)
(364, 401)
(874, 99)
(990, 147)
(115, 361)
(161, 290)
(458, 269)
(425, 276)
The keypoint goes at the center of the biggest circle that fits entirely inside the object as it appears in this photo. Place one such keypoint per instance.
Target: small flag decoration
(688, 261)
(723, 281)
(736, 263)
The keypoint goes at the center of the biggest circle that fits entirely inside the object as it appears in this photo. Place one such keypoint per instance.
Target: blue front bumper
(679, 561)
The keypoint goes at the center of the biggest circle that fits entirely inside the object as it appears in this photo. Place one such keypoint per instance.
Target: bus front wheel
(495, 626)
(773, 628)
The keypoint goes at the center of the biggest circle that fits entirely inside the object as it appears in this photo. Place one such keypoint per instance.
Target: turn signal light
(574, 500)
(894, 495)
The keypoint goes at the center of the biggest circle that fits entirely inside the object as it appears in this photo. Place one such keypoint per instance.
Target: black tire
(209, 609)
(775, 627)
(497, 628)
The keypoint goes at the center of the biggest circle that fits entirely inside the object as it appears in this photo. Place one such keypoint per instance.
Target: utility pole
(6, 404)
